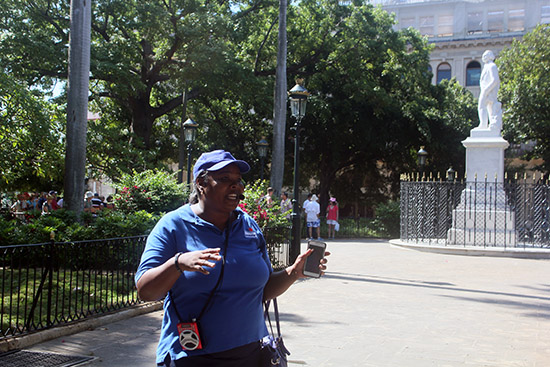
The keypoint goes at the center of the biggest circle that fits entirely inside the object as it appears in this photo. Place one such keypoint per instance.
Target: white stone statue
(489, 108)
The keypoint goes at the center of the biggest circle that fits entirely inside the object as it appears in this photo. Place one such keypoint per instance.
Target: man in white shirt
(312, 216)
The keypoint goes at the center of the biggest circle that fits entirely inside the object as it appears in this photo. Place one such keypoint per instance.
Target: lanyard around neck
(211, 296)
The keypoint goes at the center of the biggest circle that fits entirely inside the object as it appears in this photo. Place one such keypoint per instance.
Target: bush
(67, 228)
(137, 211)
(154, 192)
(387, 221)
(254, 206)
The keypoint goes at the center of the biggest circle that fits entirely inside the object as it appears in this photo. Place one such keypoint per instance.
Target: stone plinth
(483, 216)
(485, 155)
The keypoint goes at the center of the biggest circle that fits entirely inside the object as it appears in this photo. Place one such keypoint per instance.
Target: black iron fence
(479, 213)
(48, 284)
(51, 284)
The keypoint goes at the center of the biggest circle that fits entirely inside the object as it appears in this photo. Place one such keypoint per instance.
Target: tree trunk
(142, 119)
(181, 142)
(280, 105)
(77, 104)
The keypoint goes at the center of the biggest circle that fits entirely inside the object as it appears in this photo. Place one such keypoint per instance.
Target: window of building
(473, 72)
(427, 26)
(443, 72)
(407, 22)
(445, 26)
(475, 22)
(495, 21)
(545, 15)
(516, 20)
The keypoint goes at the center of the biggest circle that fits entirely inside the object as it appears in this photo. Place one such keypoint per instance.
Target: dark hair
(203, 177)
(309, 195)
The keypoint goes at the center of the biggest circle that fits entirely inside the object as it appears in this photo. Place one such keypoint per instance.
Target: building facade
(461, 30)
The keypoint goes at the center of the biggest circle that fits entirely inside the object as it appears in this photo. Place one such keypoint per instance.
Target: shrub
(64, 223)
(255, 206)
(387, 219)
(154, 192)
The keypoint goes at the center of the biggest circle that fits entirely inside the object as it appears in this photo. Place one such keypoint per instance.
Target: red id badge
(189, 336)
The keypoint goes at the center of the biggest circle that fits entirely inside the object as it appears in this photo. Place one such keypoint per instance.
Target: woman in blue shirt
(209, 260)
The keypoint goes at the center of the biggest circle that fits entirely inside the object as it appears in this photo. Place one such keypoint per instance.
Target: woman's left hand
(297, 269)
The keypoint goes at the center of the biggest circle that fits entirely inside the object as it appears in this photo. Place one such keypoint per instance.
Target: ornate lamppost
(190, 134)
(451, 174)
(422, 155)
(298, 100)
(262, 152)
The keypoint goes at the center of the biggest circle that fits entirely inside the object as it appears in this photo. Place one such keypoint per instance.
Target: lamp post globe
(298, 100)
(262, 152)
(422, 155)
(451, 174)
(190, 134)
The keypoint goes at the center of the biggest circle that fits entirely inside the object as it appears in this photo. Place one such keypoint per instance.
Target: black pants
(245, 356)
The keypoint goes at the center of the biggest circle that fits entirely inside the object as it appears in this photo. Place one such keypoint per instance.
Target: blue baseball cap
(216, 160)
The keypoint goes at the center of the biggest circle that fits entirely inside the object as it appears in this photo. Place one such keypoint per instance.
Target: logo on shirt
(249, 233)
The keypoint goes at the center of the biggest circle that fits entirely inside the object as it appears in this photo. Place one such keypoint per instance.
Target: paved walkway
(381, 305)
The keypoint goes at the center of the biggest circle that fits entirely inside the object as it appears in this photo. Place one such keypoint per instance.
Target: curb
(520, 253)
(24, 341)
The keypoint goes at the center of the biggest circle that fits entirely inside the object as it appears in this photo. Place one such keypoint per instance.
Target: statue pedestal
(485, 155)
(483, 216)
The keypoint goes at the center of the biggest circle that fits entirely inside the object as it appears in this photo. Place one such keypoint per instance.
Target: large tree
(373, 104)
(144, 54)
(31, 139)
(525, 91)
(371, 109)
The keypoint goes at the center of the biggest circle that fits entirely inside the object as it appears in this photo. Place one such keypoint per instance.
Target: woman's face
(223, 189)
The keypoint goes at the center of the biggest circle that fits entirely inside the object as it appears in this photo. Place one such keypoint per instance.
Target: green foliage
(31, 145)
(113, 223)
(373, 102)
(256, 207)
(387, 221)
(153, 192)
(66, 227)
(525, 90)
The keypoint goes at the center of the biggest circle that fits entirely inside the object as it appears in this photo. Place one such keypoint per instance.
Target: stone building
(461, 30)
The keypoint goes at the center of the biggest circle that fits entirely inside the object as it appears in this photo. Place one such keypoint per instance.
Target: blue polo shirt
(235, 315)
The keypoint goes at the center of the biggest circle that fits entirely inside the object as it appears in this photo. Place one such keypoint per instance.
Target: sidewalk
(380, 305)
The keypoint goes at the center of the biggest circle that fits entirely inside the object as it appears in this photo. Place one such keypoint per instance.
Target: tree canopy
(372, 103)
(31, 139)
(525, 90)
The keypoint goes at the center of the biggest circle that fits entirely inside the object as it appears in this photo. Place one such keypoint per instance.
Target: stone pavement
(381, 306)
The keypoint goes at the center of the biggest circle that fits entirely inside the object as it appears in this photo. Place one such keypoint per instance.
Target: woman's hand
(296, 270)
(280, 281)
(197, 260)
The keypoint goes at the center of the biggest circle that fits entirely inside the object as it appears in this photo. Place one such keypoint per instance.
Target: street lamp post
(262, 152)
(422, 155)
(298, 100)
(190, 134)
(451, 174)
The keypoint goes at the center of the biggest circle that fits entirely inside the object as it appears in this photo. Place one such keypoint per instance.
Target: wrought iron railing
(478, 213)
(278, 242)
(51, 284)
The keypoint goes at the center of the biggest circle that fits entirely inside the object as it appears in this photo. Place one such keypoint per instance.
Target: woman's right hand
(197, 260)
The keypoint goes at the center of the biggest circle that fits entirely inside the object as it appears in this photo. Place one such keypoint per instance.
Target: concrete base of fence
(24, 341)
(526, 253)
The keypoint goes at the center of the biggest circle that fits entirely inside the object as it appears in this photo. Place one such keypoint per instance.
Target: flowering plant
(154, 192)
(255, 205)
